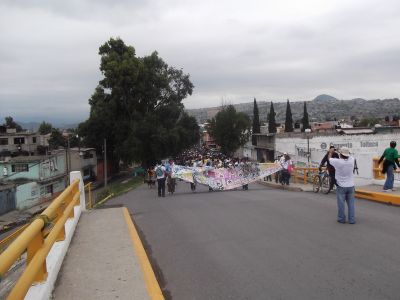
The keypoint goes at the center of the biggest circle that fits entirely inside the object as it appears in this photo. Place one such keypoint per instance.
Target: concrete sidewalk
(101, 262)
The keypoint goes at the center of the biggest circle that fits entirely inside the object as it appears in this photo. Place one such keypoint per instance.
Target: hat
(344, 151)
(284, 153)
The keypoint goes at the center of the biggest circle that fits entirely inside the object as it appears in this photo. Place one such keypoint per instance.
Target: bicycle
(321, 182)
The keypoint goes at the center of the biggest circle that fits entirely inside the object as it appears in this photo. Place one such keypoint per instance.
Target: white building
(364, 147)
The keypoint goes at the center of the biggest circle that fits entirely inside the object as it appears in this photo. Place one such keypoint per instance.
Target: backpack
(159, 172)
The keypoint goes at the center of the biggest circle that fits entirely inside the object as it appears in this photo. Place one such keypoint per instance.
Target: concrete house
(13, 143)
(37, 178)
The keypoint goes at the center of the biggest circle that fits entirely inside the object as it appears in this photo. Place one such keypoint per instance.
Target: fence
(38, 238)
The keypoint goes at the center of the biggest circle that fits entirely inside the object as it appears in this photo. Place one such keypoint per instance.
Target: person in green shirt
(389, 165)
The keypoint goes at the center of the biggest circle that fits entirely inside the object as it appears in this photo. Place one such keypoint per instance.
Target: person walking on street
(389, 165)
(345, 183)
(171, 183)
(287, 166)
(329, 167)
(160, 173)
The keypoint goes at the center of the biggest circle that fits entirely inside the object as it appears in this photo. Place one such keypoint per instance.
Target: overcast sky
(233, 50)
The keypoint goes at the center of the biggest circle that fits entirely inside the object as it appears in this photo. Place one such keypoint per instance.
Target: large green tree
(137, 107)
(56, 139)
(10, 123)
(289, 118)
(305, 120)
(256, 121)
(271, 119)
(45, 128)
(230, 129)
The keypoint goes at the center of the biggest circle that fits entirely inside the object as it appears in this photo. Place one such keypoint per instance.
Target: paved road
(267, 244)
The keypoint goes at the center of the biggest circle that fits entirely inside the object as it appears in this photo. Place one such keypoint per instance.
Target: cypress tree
(271, 119)
(256, 122)
(306, 123)
(289, 119)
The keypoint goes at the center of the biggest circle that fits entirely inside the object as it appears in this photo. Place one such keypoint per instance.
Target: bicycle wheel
(316, 184)
(325, 184)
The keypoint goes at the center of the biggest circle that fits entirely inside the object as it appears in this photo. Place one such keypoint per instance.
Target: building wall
(80, 163)
(38, 170)
(7, 200)
(34, 193)
(29, 144)
(362, 147)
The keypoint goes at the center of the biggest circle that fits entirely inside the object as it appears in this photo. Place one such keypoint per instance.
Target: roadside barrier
(38, 238)
(88, 188)
(4, 243)
(304, 173)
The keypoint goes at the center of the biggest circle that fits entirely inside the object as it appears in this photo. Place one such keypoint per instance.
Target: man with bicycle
(329, 167)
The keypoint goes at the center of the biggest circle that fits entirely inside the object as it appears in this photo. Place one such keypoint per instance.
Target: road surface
(266, 244)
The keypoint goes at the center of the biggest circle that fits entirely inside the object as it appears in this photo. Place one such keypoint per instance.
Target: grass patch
(119, 188)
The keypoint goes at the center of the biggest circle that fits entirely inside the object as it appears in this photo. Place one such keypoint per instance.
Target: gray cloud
(272, 50)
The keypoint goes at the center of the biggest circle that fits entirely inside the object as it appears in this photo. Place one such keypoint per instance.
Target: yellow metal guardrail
(88, 188)
(8, 240)
(37, 239)
(304, 173)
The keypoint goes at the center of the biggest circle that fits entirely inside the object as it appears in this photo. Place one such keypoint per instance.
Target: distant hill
(326, 109)
(324, 97)
(34, 126)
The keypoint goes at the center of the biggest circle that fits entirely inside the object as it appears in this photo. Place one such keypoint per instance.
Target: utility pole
(105, 162)
(68, 159)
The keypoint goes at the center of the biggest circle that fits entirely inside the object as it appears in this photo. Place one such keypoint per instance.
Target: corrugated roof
(355, 131)
(34, 158)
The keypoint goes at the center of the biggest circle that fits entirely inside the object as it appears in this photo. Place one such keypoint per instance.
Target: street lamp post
(307, 131)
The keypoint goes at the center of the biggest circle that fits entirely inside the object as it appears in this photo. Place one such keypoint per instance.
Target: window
(87, 155)
(4, 141)
(19, 140)
(20, 168)
(34, 140)
(49, 189)
(86, 172)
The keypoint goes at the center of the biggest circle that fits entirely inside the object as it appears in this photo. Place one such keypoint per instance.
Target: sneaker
(342, 222)
(393, 190)
(385, 191)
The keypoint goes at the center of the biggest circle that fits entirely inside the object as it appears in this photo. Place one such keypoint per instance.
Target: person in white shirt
(160, 173)
(344, 167)
(286, 164)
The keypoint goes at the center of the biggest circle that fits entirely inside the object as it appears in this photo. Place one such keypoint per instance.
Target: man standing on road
(329, 167)
(160, 173)
(391, 158)
(345, 183)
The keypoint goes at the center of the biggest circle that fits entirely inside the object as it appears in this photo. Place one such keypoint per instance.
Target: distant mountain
(34, 126)
(324, 97)
(327, 109)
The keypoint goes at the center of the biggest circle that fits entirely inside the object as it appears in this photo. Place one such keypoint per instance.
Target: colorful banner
(226, 178)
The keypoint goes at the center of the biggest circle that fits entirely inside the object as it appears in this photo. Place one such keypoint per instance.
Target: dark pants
(161, 187)
(285, 177)
(332, 180)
